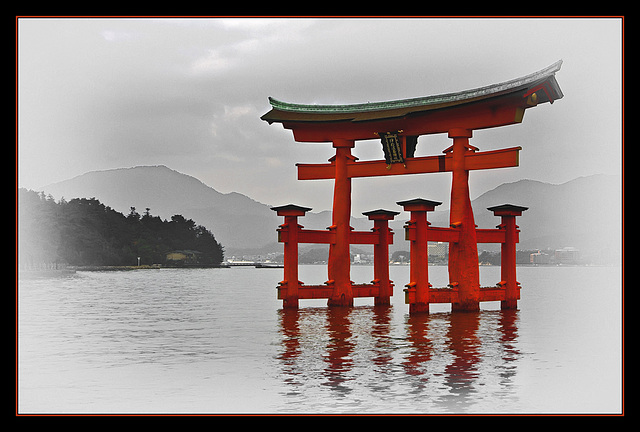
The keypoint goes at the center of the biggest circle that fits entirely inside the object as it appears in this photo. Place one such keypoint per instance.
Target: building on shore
(567, 255)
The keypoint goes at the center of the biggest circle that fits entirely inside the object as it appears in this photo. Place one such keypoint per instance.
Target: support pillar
(508, 213)
(417, 291)
(288, 234)
(463, 255)
(381, 220)
(339, 266)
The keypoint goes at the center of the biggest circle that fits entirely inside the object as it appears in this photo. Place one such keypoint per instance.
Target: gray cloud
(107, 93)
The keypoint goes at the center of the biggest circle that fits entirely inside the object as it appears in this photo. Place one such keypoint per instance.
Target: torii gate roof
(290, 113)
(283, 111)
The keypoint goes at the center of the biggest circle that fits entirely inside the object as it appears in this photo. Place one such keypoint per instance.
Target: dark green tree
(84, 231)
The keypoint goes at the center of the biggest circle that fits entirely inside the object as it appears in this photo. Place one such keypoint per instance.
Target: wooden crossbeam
(441, 234)
(436, 295)
(447, 295)
(503, 158)
(435, 234)
(325, 291)
(329, 237)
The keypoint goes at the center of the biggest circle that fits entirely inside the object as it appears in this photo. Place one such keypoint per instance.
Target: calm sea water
(217, 341)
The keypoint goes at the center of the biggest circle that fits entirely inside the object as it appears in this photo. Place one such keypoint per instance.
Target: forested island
(85, 232)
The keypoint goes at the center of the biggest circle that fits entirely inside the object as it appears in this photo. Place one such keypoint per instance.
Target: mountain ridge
(167, 192)
(566, 214)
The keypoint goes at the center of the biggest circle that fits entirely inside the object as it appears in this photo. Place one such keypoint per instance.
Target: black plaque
(392, 147)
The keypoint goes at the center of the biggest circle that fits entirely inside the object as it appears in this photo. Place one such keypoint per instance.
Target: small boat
(268, 265)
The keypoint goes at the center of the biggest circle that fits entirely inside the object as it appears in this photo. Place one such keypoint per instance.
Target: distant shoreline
(74, 269)
(144, 267)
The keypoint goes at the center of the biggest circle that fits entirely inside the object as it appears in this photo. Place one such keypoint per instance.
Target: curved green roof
(285, 111)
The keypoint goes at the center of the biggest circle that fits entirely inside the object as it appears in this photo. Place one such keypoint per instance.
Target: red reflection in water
(319, 345)
(339, 348)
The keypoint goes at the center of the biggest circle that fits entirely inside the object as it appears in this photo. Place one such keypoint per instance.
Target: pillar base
(381, 301)
(342, 301)
(290, 303)
(415, 308)
(468, 306)
(509, 304)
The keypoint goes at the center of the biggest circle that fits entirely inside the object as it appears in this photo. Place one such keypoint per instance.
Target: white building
(567, 255)
(539, 258)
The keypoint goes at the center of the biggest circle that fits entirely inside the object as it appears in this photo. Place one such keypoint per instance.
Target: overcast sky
(98, 94)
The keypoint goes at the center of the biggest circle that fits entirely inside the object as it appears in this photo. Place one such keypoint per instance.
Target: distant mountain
(237, 221)
(584, 213)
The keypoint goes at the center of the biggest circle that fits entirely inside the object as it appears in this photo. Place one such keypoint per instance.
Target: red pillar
(417, 292)
(288, 233)
(463, 255)
(339, 266)
(508, 213)
(381, 220)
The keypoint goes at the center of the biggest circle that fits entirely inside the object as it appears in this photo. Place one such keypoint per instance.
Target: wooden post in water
(288, 234)
(508, 213)
(417, 291)
(381, 220)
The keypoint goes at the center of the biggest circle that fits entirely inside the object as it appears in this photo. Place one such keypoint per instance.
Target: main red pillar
(463, 255)
(339, 266)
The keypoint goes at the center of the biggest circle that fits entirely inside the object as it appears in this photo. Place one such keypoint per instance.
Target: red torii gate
(398, 125)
